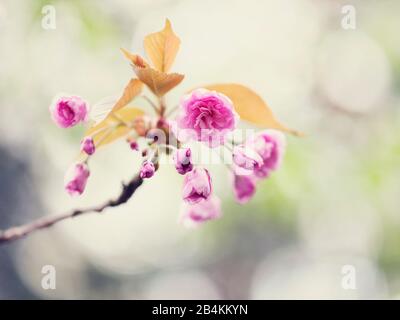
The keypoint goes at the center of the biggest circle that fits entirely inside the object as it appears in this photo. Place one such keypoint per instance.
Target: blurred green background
(335, 202)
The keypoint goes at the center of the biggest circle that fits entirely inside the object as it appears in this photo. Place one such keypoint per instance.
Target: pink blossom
(183, 160)
(147, 170)
(244, 188)
(270, 145)
(134, 145)
(69, 111)
(87, 146)
(208, 115)
(246, 157)
(76, 178)
(195, 214)
(197, 185)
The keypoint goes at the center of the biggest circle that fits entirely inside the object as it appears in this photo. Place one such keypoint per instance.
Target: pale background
(335, 202)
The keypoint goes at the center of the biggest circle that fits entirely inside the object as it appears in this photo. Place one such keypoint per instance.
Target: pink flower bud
(197, 185)
(270, 145)
(195, 214)
(76, 178)
(134, 145)
(147, 170)
(246, 157)
(87, 146)
(183, 160)
(244, 188)
(69, 111)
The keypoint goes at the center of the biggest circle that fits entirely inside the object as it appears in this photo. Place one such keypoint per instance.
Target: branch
(21, 231)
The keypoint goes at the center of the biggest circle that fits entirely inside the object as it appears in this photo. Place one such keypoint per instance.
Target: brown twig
(18, 232)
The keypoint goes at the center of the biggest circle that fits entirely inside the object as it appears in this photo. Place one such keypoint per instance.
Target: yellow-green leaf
(135, 59)
(133, 89)
(111, 128)
(250, 106)
(158, 82)
(162, 47)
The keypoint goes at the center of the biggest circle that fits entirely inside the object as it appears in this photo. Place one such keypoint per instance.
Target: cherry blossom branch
(21, 231)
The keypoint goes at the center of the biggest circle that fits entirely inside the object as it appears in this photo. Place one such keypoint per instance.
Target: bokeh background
(335, 201)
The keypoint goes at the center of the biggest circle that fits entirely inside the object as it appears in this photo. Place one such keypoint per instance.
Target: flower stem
(223, 161)
(162, 107)
(156, 109)
(171, 111)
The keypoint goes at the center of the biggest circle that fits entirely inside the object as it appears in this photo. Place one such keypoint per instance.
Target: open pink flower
(76, 178)
(208, 115)
(198, 213)
(69, 111)
(196, 185)
(87, 146)
(183, 160)
(244, 188)
(270, 145)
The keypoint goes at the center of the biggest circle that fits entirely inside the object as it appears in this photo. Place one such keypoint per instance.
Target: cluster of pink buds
(255, 160)
(205, 116)
(208, 116)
